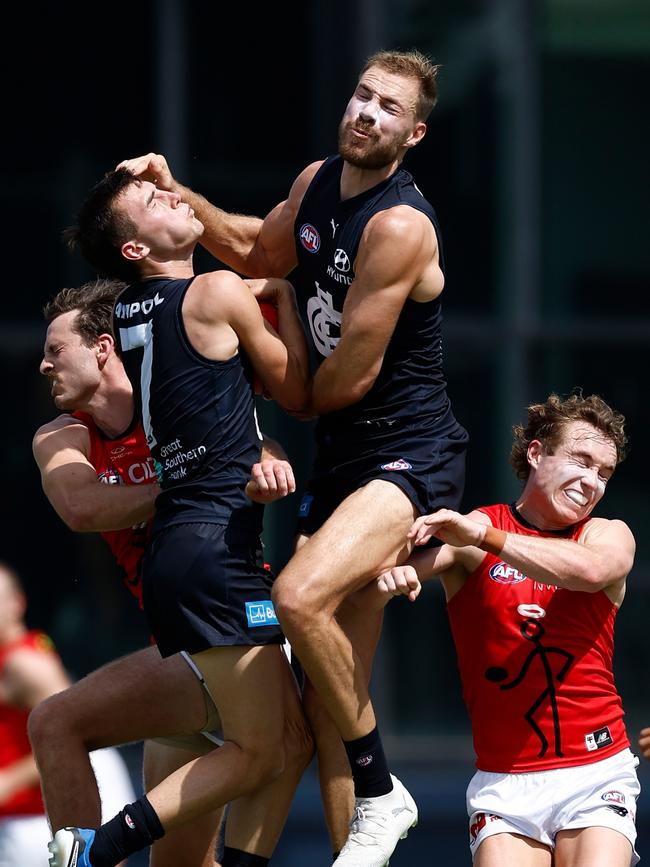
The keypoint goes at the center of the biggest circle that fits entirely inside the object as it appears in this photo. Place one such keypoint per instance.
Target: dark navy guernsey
(198, 414)
(327, 231)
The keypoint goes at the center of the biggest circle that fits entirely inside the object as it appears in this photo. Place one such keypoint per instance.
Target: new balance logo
(598, 739)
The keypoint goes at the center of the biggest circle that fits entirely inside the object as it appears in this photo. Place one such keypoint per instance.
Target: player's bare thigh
(507, 850)
(128, 700)
(363, 536)
(246, 684)
(592, 847)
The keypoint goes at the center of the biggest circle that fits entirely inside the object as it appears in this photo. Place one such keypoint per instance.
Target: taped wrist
(493, 541)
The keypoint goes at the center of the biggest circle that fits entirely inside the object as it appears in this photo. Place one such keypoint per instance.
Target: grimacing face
(380, 119)
(573, 479)
(70, 365)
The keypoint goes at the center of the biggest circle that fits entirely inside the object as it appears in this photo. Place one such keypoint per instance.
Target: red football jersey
(14, 743)
(123, 461)
(536, 665)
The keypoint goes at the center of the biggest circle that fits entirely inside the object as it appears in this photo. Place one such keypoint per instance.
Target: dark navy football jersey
(198, 414)
(327, 232)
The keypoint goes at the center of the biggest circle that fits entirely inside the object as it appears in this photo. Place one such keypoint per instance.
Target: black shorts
(427, 464)
(205, 585)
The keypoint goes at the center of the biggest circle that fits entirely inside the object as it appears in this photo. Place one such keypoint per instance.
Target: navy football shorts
(427, 464)
(205, 585)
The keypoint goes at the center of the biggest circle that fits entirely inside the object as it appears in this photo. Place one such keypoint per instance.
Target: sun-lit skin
(165, 224)
(380, 121)
(69, 363)
(569, 483)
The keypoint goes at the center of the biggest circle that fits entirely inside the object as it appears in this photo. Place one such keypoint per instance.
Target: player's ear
(417, 135)
(134, 250)
(535, 450)
(105, 348)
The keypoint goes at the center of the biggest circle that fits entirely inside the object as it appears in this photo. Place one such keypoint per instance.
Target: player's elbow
(342, 396)
(293, 402)
(591, 583)
(79, 518)
(604, 573)
(254, 268)
(259, 264)
(361, 388)
(294, 397)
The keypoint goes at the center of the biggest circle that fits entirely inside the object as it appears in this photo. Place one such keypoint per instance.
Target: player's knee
(293, 605)
(265, 764)
(35, 728)
(51, 722)
(42, 723)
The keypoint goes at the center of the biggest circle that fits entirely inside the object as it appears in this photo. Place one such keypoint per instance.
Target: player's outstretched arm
(600, 559)
(250, 245)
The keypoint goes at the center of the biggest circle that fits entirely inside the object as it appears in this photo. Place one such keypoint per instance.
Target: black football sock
(369, 767)
(238, 858)
(134, 828)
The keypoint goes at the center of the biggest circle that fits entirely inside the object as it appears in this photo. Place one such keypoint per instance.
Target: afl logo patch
(110, 477)
(504, 574)
(309, 238)
(614, 797)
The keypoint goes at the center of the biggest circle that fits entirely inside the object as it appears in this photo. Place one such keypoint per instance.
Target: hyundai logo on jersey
(309, 238)
(341, 261)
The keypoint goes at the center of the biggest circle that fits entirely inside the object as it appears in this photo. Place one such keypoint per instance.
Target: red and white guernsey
(14, 743)
(536, 665)
(123, 461)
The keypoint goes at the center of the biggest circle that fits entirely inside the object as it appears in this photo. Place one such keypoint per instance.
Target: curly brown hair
(547, 421)
(410, 64)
